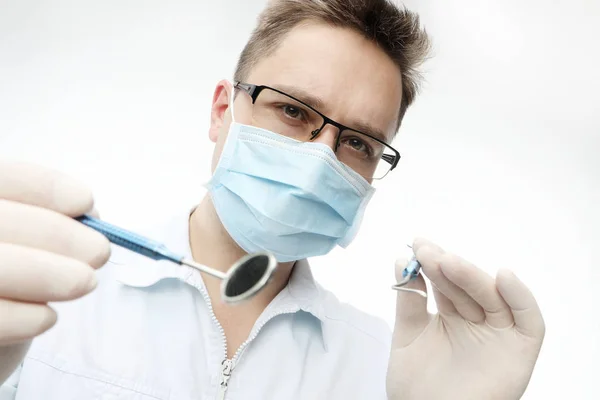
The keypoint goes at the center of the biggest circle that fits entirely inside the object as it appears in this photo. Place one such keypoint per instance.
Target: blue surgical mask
(292, 198)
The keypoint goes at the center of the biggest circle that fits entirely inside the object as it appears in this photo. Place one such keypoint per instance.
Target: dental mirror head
(248, 276)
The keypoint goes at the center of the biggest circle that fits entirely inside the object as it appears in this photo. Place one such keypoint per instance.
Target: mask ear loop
(231, 100)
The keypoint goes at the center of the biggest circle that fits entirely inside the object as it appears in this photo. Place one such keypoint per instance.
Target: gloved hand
(44, 254)
(483, 343)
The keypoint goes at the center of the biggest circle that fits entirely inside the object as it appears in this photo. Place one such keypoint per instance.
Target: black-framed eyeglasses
(284, 114)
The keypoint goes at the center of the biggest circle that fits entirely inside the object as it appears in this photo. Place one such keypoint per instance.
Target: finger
(38, 276)
(431, 256)
(94, 213)
(411, 309)
(418, 243)
(31, 226)
(23, 321)
(443, 304)
(525, 309)
(43, 187)
(480, 287)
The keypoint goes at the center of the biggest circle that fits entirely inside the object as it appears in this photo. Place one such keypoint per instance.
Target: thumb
(94, 213)
(411, 309)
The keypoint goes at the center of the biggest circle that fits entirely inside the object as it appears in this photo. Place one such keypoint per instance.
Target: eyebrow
(302, 95)
(318, 104)
(371, 131)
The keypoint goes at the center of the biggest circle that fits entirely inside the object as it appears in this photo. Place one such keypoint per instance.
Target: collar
(302, 293)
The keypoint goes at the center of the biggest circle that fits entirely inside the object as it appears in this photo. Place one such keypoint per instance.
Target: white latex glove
(44, 254)
(483, 343)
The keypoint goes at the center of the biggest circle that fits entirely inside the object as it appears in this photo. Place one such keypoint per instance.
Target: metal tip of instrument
(400, 287)
(405, 289)
(204, 268)
(411, 267)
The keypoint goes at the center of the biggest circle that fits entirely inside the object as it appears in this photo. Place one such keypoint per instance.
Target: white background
(499, 163)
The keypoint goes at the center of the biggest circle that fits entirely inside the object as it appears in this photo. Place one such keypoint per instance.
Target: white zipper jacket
(148, 332)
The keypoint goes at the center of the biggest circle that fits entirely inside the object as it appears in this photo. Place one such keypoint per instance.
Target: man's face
(357, 83)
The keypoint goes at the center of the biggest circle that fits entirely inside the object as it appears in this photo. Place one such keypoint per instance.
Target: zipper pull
(226, 367)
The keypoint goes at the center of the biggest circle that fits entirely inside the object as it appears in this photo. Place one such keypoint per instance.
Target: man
(301, 134)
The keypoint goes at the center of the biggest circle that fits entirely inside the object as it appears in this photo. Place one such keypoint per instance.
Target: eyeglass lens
(282, 114)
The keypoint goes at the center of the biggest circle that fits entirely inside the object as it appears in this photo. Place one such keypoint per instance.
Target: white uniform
(148, 333)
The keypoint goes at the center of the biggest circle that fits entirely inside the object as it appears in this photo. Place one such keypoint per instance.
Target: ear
(220, 104)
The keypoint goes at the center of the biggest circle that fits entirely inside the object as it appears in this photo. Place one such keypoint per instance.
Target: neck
(212, 246)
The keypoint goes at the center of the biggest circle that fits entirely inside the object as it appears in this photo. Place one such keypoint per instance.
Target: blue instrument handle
(129, 240)
(412, 268)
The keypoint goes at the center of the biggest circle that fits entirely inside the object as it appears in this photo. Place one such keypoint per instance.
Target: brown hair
(394, 29)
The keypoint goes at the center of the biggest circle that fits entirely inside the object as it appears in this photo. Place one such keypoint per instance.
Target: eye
(292, 112)
(358, 145)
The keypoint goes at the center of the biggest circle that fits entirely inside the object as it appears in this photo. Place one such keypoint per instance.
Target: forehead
(356, 81)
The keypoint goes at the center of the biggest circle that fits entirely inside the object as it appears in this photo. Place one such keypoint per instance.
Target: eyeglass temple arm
(390, 158)
(245, 87)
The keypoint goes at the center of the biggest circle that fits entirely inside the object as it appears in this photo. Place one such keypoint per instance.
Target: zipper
(227, 365)
(253, 336)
